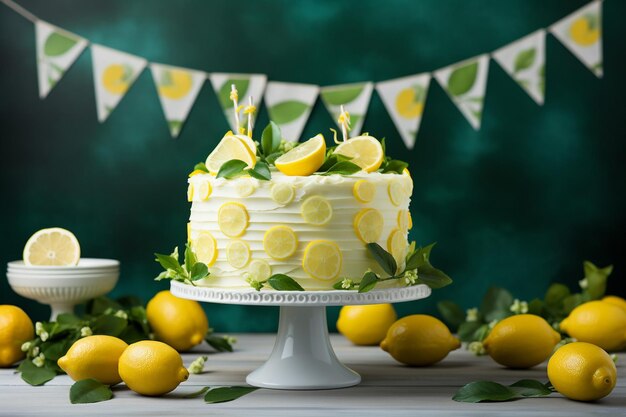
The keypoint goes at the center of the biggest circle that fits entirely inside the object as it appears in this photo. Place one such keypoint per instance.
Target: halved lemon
(316, 210)
(368, 225)
(322, 259)
(365, 151)
(230, 147)
(364, 191)
(396, 245)
(304, 159)
(247, 140)
(205, 248)
(232, 218)
(238, 253)
(283, 194)
(280, 242)
(259, 270)
(54, 246)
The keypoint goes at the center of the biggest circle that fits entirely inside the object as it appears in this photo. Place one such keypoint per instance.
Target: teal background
(519, 204)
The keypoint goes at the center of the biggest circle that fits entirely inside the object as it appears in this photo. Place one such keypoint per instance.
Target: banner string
(20, 10)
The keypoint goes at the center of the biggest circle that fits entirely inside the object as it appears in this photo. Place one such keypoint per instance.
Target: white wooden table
(388, 389)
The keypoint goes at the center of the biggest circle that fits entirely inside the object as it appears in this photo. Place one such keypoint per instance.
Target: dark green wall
(519, 204)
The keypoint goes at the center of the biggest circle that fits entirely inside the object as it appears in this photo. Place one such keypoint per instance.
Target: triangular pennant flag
(177, 89)
(404, 99)
(581, 33)
(114, 72)
(57, 49)
(289, 106)
(248, 85)
(524, 60)
(466, 82)
(355, 99)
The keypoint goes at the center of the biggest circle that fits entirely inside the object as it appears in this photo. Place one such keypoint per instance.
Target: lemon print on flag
(585, 30)
(410, 102)
(175, 84)
(116, 78)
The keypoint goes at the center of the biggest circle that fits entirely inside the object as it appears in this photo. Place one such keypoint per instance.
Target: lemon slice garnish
(410, 221)
(322, 259)
(232, 218)
(238, 253)
(283, 194)
(196, 172)
(365, 151)
(245, 187)
(397, 193)
(54, 246)
(396, 245)
(316, 210)
(202, 191)
(190, 193)
(304, 159)
(230, 147)
(259, 270)
(280, 242)
(403, 220)
(364, 191)
(189, 232)
(368, 225)
(205, 248)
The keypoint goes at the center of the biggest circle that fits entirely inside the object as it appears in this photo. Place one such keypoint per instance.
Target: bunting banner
(355, 99)
(248, 86)
(524, 60)
(404, 99)
(465, 83)
(289, 105)
(177, 89)
(581, 33)
(57, 49)
(114, 72)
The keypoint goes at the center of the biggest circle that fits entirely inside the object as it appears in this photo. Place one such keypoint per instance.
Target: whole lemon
(582, 371)
(615, 300)
(597, 322)
(151, 368)
(419, 340)
(94, 357)
(521, 341)
(15, 329)
(180, 323)
(366, 325)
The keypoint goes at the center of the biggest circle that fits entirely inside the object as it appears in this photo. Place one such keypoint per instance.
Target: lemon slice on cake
(280, 242)
(365, 151)
(230, 147)
(322, 259)
(54, 246)
(304, 159)
(368, 225)
(232, 219)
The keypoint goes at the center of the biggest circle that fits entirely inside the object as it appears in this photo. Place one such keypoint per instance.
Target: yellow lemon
(585, 30)
(54, 246)
(230, 147)
(366, 325)
(304, 159)
(205, 247)
(597, 322)
(419, 340)
(582, 371)
(175, 84)
(152, 368)
(116, 78)
(94, 357)
(521, 341)
(409, 102)
(322, 259)
(15, 329)
(615, 300)
(365, 151)
(180, 323)
(280, 242)
(368, 225)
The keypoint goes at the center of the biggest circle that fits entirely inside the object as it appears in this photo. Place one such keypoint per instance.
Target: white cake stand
(302, 357)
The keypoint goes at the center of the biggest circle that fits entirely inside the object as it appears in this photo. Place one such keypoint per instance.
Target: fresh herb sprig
(335, 163)
(236, 168)
(417, 270)
(480, 391)
(190, 271)
(279, 282)
(389, 164)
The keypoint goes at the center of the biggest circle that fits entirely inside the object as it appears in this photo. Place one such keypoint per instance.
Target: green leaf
(261, 171)
(338, 285)
(571, 302)
(88, 391)
(478, 391)
(531, 388)
(241, 84)
(99, 305)
(190, 258)
(197, 393)
(342, 95)
(383, 258)
(68, 319)
(555, 295)
(596, 279)
(34, 375)
(282, 282)
(451, 313)
(169, 262)
(224, 394)
(218, 343)
(535, 307)
(467, 330)
(109, 325)
(270, 139)
(287, 111)
(271, 158)
(231, 169)
(201, 166)
(525, 59)
(420, 257)
(395, 165)
(57, 44)
(175, 126)
(433, 277)
(199, 271)
(342, 168)
(462, 79)
(496, 304)
(128, 301)
(368, 282)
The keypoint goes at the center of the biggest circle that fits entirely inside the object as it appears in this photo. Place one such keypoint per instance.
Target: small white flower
(230, 339)
(170, 273)
(476, 348)
(492, 324)
(584, 283)
(197, 366)
(38, 328)
(519, 307)
(151, 336)
(410, 277)
(121, 314)
(35, 351)
(44, 336)
(346, 284)
(39, 361)
(25, 346)
(85, 331)
(471, 314)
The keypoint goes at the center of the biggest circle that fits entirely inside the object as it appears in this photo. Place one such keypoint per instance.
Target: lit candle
(234, 96)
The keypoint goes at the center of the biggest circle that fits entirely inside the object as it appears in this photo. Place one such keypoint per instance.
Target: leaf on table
(88, 391)
(197, 393)
(479, 391)
(224, 394)
(34, 375)
(219, 343)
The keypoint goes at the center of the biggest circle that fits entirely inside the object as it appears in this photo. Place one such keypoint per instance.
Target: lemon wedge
(232, 218)
(322, 260)
(54, 246)
(364, 191)
(230, 147)
(205, 248)
(280, 242)
(247, 140)
(365, 151)
(283, 194)
(316, 210)
(368, 225)
(304, 159)
(238, 253)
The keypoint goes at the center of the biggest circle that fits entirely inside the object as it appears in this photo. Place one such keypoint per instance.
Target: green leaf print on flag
(58, 44)
(525, 59)
(241, 84)
(342, 95)
(287, 111)
(462, 79)
(354, 97)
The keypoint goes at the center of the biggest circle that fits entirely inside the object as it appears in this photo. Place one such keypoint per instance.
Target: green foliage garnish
(201, 166)
(225, 394)
(271, 139)
(189, 272)
(236, 168)
(279, 282)
(390, 165)
(479, 391)
(88, 391)
(417, 270)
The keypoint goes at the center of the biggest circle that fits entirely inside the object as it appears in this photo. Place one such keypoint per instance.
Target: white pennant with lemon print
(466, 83)
(581, 33)
(248, 85)
(355, 99)
(57, 49)
(113, 74)
(525, 60)
(178, 89)
(289, 106)
(404, 99)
